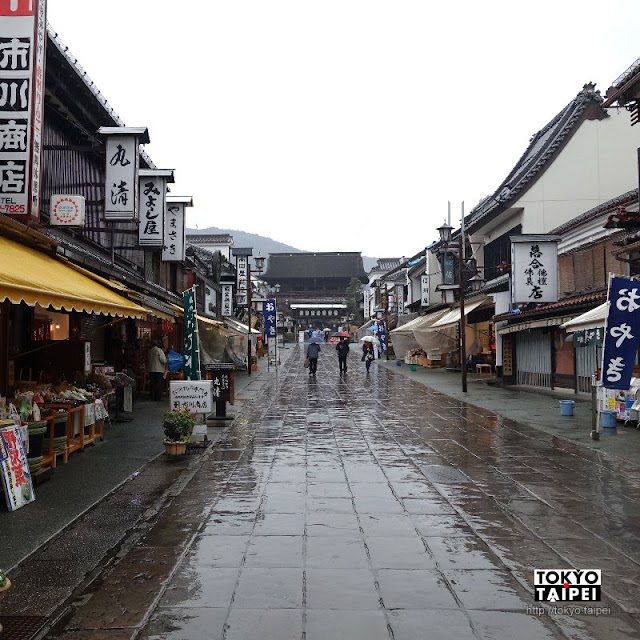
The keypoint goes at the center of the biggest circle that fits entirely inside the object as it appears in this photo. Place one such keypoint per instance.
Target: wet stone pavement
(369, 507)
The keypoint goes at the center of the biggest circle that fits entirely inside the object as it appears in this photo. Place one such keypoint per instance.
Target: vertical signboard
(14, 469)
(242, 282)
(121, 181)
(174, 233)
(153, 192)
(424, 295)
(22, 58)
(227, 300)
(399, 299)
(534, 268)
(191, 367)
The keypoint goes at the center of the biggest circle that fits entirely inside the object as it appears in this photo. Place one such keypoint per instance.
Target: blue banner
(382, 336)
(622, 334)
(269, 316)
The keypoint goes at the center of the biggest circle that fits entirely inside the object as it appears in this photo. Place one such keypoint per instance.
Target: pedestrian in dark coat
(367, 354)
(312, 353)
(343, 351)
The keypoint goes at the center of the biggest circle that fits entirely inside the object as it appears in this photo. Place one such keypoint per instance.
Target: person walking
(157, 363)
(343, 351)
(313, 349)
(367, 354)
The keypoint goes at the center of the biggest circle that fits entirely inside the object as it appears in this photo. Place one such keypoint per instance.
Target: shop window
(49, 325)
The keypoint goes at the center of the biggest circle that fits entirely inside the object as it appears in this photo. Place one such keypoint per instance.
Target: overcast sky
(343, 125)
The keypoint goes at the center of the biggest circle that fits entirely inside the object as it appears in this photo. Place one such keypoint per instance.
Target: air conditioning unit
(211, 307)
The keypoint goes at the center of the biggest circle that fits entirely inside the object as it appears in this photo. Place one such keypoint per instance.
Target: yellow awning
(30, 276)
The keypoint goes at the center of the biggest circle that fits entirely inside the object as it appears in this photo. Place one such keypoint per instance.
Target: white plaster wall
(597, 164)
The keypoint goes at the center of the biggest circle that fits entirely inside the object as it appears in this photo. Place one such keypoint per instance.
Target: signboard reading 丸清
(23, 33)
(122, 164)
(534, 268)
(14, 469)
(196, 395)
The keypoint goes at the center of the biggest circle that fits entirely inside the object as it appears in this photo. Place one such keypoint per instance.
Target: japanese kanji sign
(534, 268)
(242, 279)
(227, 300)
(14, 469)
(424, 296)
(196, 395)
(22, 50)
(221, 385)
(191, 367)
(622, 333)
(269, 314)
(121, 181)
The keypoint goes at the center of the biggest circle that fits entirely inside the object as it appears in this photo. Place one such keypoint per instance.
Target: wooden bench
(482, 369)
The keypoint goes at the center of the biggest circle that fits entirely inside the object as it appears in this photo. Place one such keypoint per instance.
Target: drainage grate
(21, 627)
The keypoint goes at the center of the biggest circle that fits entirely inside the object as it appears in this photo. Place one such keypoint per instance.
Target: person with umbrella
(367, 351)
(313, 349)
(343, 351)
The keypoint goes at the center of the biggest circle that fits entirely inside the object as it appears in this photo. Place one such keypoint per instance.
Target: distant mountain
(264, 246)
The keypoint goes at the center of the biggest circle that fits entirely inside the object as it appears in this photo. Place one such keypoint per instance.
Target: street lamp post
(445, 238)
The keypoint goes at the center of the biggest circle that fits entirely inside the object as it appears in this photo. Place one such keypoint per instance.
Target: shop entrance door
(533, 358)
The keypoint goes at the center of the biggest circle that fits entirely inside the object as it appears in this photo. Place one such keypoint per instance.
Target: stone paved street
(370, 507)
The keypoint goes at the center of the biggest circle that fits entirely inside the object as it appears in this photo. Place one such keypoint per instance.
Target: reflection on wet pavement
(369, 506)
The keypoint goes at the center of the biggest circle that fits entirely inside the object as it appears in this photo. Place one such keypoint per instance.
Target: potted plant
(177, 425)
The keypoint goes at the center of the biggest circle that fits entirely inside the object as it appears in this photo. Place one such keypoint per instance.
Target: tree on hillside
(354, 301)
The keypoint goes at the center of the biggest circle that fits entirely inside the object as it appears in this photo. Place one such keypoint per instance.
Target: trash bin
(566, 407)
(608, 419)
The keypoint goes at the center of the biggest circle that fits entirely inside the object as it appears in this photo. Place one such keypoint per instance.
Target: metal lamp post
(445, 238)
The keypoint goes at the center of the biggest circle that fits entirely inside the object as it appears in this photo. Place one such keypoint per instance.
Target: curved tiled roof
(315, 265)
(543, 146)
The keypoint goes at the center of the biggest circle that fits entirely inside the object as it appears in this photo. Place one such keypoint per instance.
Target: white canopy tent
(592, 319)
(404, 337)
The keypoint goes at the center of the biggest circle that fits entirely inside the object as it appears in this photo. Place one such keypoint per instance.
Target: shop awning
(209, 321)
(532, 324)
(30, 276)
(592, 319)
(429, 339)
(405, 337)
(453, 316)
(238, 326)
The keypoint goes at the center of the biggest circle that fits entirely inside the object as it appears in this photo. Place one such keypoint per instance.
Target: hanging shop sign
(622, 333)
(227, 300)
(399, 299)
(424, 295)
(67, 211)
(534, 268)
(23, 33)
(589, 337)
(174, 228)
(14, 469)
(191, 367)
(270, 318)
(195, 395)
(152, 188)
(121, 171)
(242, 279)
